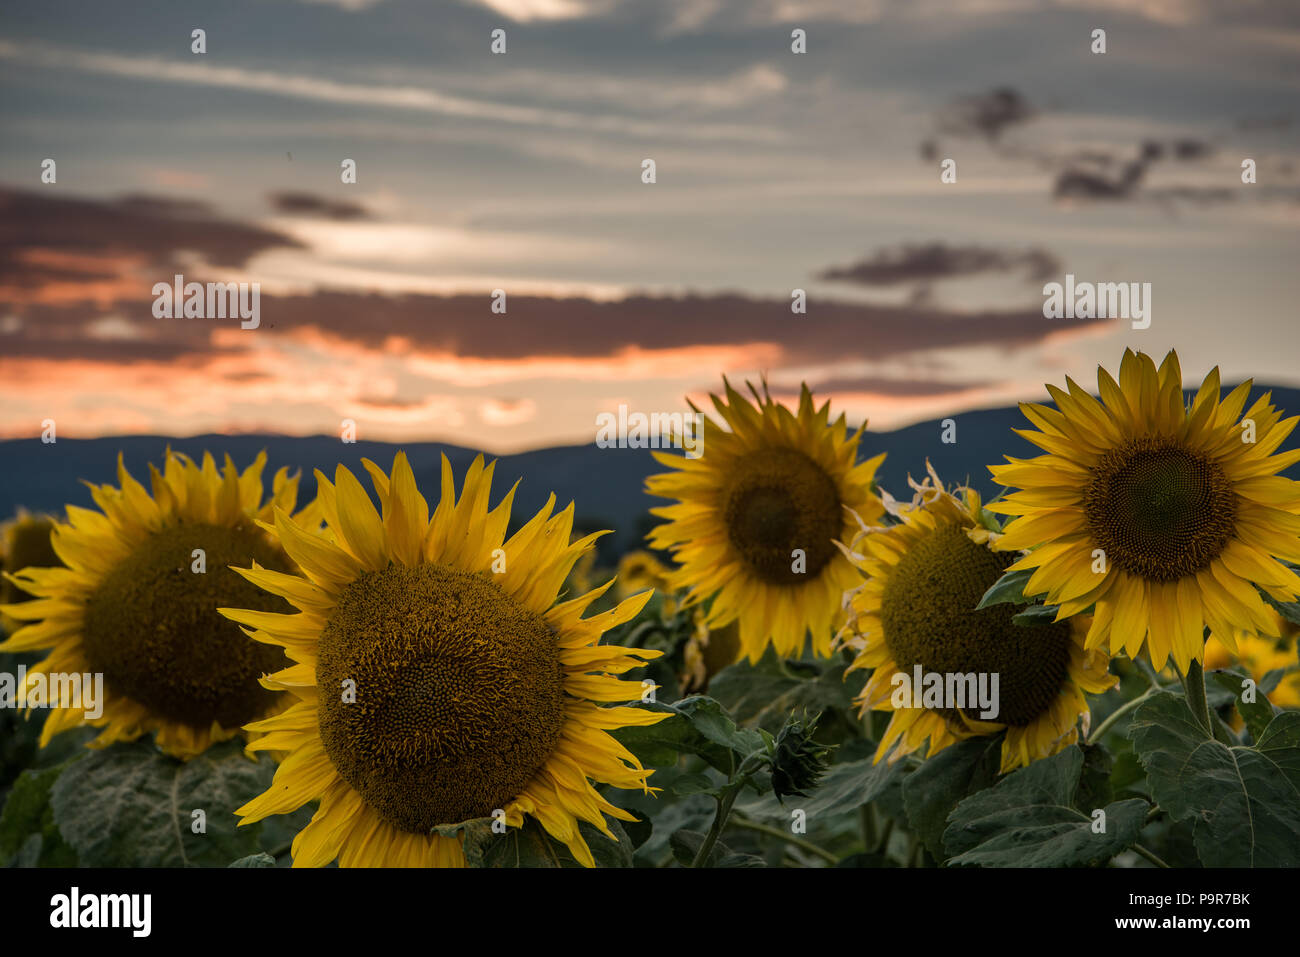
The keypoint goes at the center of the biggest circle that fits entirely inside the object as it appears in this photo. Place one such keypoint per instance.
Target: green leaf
(638, 831)
(1009, 588)
(1036, 616)
(1244, 801)
(845, 788)
(1028, 819)
(764, 695)
(686, 784)
(260, 859)
(1094, 781)
(130, 805)
(531, 846)
(866, 860)
(699, 726)
(27, 828)
(933, 789)
(1258, 713)
(693, 813)
(686, 844)
(712, 721)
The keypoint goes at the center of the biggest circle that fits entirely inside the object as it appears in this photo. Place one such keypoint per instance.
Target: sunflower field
(1096, 667)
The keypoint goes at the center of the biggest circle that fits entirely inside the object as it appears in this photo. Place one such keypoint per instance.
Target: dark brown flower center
(1158, 510)
(152, 627)
(440, 695)
(929, 619)
(778, 501)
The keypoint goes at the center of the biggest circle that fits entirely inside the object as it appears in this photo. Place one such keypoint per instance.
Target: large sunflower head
(1164, 516)
(137, 603)
(915, 617)
(436, 679)
(758, 515)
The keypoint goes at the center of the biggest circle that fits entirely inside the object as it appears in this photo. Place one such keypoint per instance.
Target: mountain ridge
(606, 485)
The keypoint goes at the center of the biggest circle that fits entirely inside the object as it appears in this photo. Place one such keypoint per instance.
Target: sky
(522, 171)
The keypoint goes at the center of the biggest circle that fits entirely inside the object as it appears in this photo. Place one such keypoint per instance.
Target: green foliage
(935, 788)
(131, 805)
(260, 859)
(1030, 819)
(1009, 588)
(845, 788)
(698, 726)
(1244, 802)
(764, 695)
(28, 835)
(686, 845)
(531, 846)
(1258, 713)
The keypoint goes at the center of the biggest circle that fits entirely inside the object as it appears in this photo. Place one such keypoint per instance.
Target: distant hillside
(606, 484)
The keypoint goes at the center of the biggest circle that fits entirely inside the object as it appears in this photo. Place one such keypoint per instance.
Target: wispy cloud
(418, 99)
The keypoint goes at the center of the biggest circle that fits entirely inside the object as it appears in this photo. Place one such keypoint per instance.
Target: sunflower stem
(886, 833)
(1143, 852)
(725, 800)
(1120, 712)
(1194, 691)
(867, 818)
(741, 821)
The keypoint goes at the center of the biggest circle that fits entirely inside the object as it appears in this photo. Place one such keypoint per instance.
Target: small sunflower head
(947, 668)
(25, 543)
(798, 762)
(758, 515)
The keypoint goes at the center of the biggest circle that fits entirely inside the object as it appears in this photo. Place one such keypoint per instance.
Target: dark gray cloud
(1101, 175)
(463, 325)
(929, 262)
(309, 204)
(986, 115)
(38, 228)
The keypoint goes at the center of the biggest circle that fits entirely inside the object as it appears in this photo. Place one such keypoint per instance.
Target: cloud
(927, 262)
(526, 11)
(412, 98)
(309, 204)
(57, 249)
(506, 412)
(114, 251)
(986, 115)
(1096, 174)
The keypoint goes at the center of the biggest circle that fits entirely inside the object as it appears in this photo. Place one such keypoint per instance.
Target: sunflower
(24, 541)
(1258, 656)
(917, 610)
(1163, 516)
(757, 518)
(437, 680)
(137, 602)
